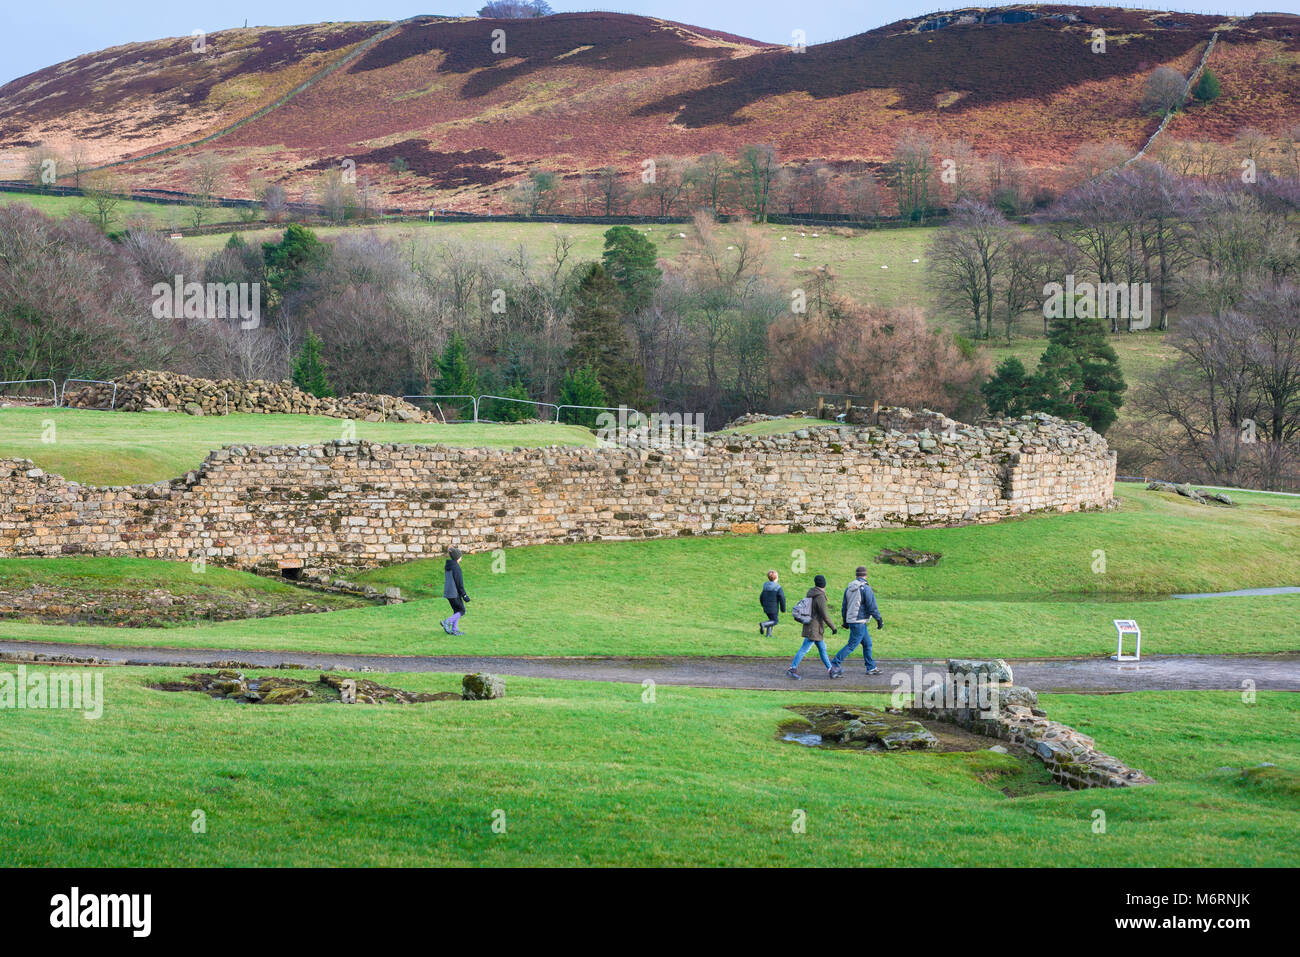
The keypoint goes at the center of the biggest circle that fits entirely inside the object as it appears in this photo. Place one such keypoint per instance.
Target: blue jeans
(803, 650)
(859, 634)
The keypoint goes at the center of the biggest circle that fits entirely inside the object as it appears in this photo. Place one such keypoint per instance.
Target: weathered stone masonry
(364, 504)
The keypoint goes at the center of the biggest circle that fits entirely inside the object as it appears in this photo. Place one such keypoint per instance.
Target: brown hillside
(576, 92)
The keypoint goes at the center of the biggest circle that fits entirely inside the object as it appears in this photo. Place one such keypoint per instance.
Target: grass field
(1018, 588)
(854, 256)
(123, 448)
(584, 774)
(588, 773)
(158, 215)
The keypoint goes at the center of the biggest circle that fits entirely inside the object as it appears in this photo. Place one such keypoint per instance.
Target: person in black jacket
(772, 600)
(453, 589)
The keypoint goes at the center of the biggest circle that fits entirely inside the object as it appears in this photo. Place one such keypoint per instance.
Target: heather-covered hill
(141, 96)
(432, 115)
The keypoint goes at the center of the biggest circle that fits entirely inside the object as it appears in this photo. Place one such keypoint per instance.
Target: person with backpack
(772, 598)
(453, 589)
(811, 611)
(856, 611)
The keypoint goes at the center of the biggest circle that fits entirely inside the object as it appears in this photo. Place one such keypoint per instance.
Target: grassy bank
(592, 774)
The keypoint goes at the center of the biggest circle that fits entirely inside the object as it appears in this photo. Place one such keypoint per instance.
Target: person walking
(856, 611)
(814, 607)
(453, 589)
(772, 598)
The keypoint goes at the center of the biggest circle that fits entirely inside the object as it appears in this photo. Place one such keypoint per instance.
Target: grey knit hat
(454, 552)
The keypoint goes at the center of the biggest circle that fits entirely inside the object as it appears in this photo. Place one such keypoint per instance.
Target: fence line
(63, 393)
(598, 408)
(54, 387)
(505, 398)
(433, 398)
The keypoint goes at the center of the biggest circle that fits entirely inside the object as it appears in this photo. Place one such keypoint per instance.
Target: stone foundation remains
(1070, 756)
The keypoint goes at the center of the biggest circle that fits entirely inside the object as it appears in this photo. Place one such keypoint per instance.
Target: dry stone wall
(364, 504)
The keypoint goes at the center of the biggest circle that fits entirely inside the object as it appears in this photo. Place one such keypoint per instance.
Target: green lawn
(158, 215)
(124, 448)
(1018, 588)
(855, 257)
(591, 774)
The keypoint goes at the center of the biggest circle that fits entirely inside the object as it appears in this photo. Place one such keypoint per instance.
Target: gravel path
(1155, 673)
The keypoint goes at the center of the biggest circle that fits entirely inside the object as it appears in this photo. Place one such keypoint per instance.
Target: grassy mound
(138, 593)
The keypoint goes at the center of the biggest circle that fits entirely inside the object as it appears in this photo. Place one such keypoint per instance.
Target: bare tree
(612, 189)
(707, 180)
(1228, 408)
(966, 258)
(1164, 90)
(862, 196)
(43, 165)
(274, 200)
(914, 176)
(667, 188)
(103, 194)
(755, 173)
(206, 177)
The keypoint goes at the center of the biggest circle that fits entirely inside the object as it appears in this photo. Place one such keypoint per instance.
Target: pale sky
(36, 35)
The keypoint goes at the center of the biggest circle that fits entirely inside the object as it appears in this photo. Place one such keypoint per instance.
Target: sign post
(1127, 627)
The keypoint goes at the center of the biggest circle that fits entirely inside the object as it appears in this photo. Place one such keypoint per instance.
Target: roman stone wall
(363, 504)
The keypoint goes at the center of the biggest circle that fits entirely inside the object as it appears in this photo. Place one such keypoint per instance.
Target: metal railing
(600, 408)
(54, 387)
(63, 393)
(434, 399)
(537, 406)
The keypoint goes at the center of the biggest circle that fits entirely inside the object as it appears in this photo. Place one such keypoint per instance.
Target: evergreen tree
(291, 260)
(309, 368)
(1007, 393)
(456, 373)
(1078, 377)
(510, 411)
(1079, 374)
(581, 387)
(599, 340)
(629, 258)
(1207, 88)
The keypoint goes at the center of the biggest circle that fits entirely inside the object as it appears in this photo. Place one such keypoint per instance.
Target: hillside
(581, 91)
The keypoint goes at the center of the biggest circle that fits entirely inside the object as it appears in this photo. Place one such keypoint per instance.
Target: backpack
(802, 611)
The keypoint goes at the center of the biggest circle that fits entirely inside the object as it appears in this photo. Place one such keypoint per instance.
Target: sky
(36, 35)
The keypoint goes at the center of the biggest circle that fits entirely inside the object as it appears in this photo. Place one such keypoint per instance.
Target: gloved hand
(880, 624)
(467, 599)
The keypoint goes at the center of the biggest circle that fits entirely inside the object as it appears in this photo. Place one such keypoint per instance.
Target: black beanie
(820, 581)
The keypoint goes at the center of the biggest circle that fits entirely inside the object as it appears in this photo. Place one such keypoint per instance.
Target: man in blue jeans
(856, 610)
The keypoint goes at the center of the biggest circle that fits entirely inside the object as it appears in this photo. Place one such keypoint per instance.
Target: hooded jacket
(453, 585)
(816, 628)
